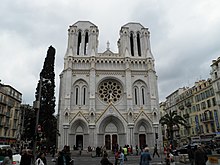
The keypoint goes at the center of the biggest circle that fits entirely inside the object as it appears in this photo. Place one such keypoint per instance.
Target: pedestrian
(67, 154)
(104, 160)
(125, 149)
(200, 156)
(137, 150)
(145, 157)
(121, 157)
(8, 159)
(41, 159)
(190, 153)
(172, 162)
(155, 151)
(26, 157)
(53, 151)
(169, 158)
(62, 159)
(117, 155)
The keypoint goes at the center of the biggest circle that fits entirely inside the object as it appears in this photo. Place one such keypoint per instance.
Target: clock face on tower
(110, 91)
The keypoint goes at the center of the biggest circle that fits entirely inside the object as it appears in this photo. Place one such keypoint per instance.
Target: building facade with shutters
(108, 99)
(198, 106)
(10, 101)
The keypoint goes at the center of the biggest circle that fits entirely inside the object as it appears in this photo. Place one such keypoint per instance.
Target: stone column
(66, 137)
(92, 135)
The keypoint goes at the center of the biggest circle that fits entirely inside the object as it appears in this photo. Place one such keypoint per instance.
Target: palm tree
(172, 119)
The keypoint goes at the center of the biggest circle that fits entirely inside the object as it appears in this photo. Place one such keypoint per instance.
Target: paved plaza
(89, 159)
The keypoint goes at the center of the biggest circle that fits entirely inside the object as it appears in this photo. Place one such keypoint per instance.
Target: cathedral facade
(108, 98)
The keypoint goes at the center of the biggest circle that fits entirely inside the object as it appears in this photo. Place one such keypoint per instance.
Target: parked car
(217, 150)
(183, 149)
(16, 158)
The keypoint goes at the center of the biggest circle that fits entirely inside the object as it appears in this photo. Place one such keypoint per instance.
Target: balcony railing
(181, 107)
(207, 119)
(217, 90)
(2, 124)
(2, 112)
(186, 115)
(7, 125)
(218, 102)
(7, 114)
(188, 104)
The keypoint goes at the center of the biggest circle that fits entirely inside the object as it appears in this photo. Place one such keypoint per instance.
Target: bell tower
(134, 41)
(82, 39)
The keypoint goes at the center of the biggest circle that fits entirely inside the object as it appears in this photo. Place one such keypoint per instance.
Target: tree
(27, 122)
(47, 97)
(172, 119)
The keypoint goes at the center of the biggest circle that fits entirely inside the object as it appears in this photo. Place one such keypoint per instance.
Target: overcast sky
(185, 37)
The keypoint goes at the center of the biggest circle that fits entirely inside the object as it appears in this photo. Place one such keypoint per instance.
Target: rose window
(110, 90)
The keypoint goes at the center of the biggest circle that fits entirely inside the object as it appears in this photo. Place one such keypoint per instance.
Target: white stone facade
(108, 98)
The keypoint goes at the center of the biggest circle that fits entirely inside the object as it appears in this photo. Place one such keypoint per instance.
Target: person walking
(121, 157)
(137, 150)
(26, 157)
(117, 155)
(145, 157)
(190, 153)
(8, 159)
(125, 149)
(41, 159)
(61, 160)
(156, 151)
(104, 160)
(200, 156)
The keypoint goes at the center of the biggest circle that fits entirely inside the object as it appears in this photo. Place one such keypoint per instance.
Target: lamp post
(37, 108)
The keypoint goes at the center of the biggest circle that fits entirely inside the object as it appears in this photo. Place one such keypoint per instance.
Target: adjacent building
(10, 101)
(199, 105)
(108, 99)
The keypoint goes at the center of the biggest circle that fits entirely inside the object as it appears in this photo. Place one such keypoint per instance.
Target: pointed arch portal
(111, 127)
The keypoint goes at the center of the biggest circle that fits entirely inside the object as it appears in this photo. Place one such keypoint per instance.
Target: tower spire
(108, 44)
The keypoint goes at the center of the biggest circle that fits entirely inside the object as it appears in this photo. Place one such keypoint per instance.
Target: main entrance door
(142, 140)
(79, 141)
(111, 141)
(108, 142)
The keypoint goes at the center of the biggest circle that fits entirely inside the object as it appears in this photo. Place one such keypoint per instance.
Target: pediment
(108, 53)
(78, 115)
(141, 115)
(111, 110)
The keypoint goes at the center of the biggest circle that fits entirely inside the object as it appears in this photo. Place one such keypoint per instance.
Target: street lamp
(37, 108)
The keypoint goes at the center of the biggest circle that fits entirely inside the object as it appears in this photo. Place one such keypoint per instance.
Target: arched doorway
(77, 137)
(110, 128)
(143, 133)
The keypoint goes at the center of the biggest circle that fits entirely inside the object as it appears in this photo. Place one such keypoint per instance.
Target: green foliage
(47, 101)
(172, 119)
(27, 122)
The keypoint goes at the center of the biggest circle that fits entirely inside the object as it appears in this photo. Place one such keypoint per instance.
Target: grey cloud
(184, 36)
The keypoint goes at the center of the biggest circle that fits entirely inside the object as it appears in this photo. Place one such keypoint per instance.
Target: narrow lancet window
(86, 43)
(139, 44)
(142, 90)
(77, 96)
(79, 42)
(84, 96)
(132, 44)
(135, 96)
